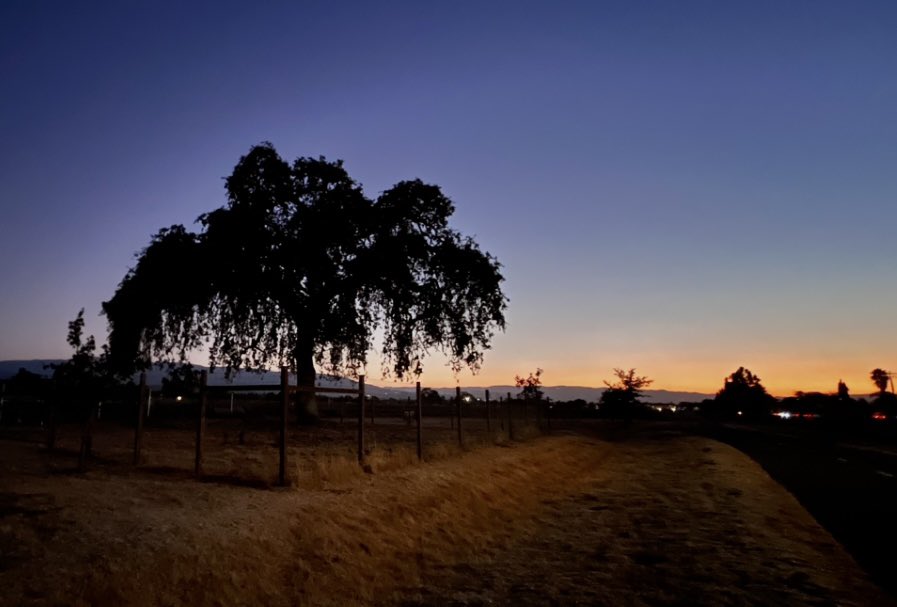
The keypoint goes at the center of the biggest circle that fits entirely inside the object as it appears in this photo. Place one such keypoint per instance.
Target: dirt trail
(666, 521)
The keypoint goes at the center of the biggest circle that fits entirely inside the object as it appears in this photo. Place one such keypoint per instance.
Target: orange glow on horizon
(779, 380)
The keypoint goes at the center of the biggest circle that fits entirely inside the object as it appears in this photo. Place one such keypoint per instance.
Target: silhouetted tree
(531, 386)
(843, 393)
(880, 378)
(429, 395)
(85, 373)
(622, 397)
(26, 382)
(742, 391)
(301, 268)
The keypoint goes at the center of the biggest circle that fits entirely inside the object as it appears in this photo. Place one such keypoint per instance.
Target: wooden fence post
(200, 422)
(420, 421)
(501, 418)
(510, 418)
(51, 424)
(86, 437)
(141, 415)
(458, 401)
(360, 418)
(284, 411)
(488, 414)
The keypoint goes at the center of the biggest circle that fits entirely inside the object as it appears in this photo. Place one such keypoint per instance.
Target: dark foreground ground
(650, 515)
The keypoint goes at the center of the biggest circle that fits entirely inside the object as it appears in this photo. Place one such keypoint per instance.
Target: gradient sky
(681, 187)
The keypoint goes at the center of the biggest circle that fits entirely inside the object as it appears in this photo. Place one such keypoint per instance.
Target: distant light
(740, 413)
(466, 399)
(783, 414)
(879, 416)
(178, 399)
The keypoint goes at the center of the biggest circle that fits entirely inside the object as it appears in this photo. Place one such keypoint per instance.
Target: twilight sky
(681, 187)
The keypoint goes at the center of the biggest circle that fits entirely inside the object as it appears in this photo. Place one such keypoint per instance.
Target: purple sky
(681, 187)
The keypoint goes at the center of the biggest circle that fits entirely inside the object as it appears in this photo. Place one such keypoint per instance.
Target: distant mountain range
(8, 368)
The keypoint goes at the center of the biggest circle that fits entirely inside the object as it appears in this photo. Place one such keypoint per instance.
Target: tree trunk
(306, 403)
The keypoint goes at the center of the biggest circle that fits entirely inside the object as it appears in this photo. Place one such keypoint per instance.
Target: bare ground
(661, 519)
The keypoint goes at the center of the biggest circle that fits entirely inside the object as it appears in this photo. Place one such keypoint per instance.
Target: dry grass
(645, 516)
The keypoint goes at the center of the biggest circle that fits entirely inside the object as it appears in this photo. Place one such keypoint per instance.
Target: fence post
(420, 442)
(372, 412)
(141, 414)
(510, 418)
(86, 437)
(501, 418)
(458, 401)
(2, 393)
(488, 413)
(360, 418)
(51, 423)
(200, 422)
(284, 410)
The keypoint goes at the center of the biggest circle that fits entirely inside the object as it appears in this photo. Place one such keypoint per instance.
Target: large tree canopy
(300, 267)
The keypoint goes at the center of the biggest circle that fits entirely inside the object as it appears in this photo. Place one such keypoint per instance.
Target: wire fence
(251, 435)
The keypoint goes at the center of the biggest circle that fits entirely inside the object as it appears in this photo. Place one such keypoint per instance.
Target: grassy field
(652, 517)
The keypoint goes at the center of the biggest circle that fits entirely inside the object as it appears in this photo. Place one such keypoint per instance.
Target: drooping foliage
(300, 267)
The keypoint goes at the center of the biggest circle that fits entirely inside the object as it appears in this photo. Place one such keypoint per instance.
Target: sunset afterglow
(681, 188)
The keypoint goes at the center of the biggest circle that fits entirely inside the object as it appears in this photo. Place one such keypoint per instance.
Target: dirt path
(669, 520)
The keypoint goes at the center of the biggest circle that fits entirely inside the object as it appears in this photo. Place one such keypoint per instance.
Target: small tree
(85, 374)
(531, 386)
(742, 391)
(880, 378)
(621, 397)
(26, 382)
(843, 393)
(431, 396)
